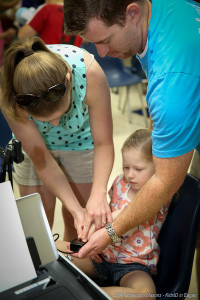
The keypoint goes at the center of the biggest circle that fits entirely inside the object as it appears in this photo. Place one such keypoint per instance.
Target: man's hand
(98, 241)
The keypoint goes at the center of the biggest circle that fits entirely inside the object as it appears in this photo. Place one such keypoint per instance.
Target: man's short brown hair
(78, 13)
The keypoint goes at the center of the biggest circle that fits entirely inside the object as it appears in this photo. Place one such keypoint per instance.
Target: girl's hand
(92, 230)
(96, 258)
(97, 212)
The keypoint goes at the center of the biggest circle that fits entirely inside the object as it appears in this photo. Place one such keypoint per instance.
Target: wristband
(112, 234)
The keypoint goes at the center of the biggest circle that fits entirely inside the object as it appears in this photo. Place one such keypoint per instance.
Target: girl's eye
(138, 169)
(125, 168)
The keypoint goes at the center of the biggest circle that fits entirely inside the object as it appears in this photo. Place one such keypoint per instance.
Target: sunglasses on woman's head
(54, 93)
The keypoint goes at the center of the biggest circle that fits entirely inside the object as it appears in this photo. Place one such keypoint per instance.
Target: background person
(47, 23)
(124, 28)
(57, 103)
(27, 10)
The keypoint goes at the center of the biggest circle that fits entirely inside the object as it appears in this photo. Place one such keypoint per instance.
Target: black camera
(76, 245)
(12, 153)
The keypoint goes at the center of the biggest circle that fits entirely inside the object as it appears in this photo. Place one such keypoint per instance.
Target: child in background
(47, 23)
(126, 266)
(5, 38)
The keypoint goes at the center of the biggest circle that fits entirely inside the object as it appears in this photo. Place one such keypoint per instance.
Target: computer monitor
(35, 225)
(65, 280)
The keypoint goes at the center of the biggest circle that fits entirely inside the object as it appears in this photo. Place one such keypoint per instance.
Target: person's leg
(48, 199)
(137, 285)
(78, 169)
(29, 183)
(84, 264)
(82, 193)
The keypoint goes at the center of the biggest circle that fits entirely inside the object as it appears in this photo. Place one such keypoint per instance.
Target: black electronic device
(76, 245)
(12, 153)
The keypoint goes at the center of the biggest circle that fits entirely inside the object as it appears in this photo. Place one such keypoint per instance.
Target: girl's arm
(25, 31)
(114, 216)
(46, 167)
(98, 101)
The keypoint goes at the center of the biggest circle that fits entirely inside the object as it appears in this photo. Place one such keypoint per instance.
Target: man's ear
(133, 12)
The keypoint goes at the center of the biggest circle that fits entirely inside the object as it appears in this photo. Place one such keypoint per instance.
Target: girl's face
(137, 169)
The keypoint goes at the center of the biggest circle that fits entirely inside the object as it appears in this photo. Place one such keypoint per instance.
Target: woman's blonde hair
(140, 139)
(31, 74)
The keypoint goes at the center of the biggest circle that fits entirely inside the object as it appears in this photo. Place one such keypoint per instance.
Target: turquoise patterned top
(73, 132)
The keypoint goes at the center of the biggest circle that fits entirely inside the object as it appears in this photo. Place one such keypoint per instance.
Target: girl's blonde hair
(32, 74)
(140, 139)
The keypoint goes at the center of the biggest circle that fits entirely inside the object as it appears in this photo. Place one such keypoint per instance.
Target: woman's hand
(79, 221)
(97, 212)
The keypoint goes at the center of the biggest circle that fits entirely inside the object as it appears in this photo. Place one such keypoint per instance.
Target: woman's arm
(46, 167)
(98, 101)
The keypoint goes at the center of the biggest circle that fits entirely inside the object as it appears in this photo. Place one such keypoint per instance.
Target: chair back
(114, 68)
(105, 62)
(177, 241)
(136, 68)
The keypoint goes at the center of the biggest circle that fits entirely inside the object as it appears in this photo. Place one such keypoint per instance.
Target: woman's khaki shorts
(77, 166)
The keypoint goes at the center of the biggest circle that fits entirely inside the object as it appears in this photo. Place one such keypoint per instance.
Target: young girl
(57, 102)
(126, 266)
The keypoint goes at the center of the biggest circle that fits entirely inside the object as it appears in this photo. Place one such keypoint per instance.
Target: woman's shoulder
(73, 55)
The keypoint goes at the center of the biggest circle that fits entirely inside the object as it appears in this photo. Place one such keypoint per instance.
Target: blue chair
(119, 76)
(136, 68)
(5, 132)
(177, 241)
(5, 137)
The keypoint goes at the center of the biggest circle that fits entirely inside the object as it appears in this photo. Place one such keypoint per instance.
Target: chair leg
(120, 89)
(127, 103)
(115, 90)
(144, 112)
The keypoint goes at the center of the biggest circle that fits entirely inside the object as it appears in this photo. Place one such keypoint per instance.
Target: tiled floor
(122, 128)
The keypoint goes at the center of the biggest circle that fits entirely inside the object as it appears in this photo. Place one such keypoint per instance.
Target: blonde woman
(57, 102)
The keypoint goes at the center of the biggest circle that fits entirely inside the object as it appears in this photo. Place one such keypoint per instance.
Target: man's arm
(169, 176)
